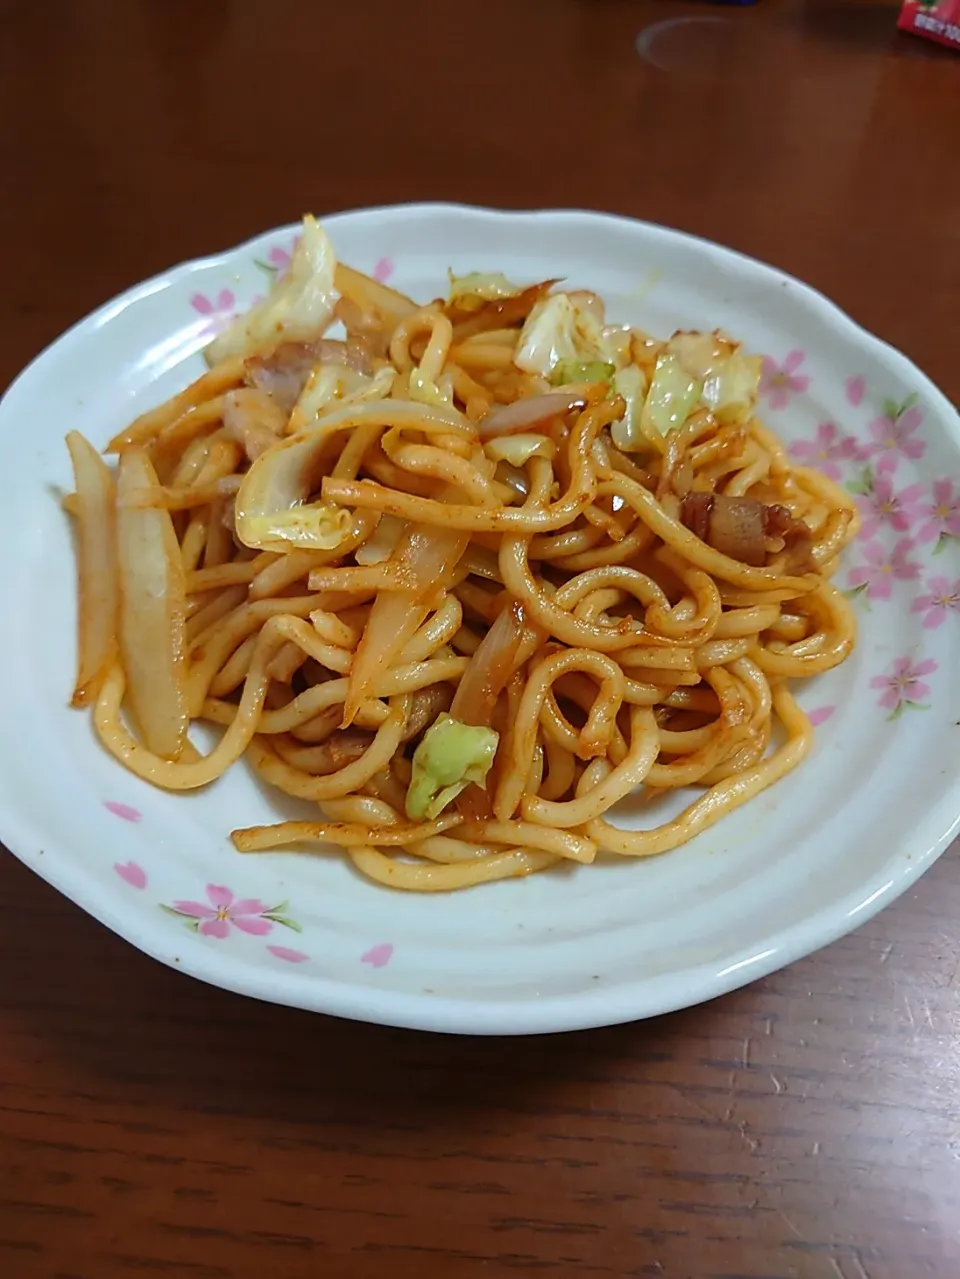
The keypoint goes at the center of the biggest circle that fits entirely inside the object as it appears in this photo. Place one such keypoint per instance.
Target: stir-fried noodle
(466, 576)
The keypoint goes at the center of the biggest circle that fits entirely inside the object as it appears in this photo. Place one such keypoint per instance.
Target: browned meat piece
(742, 527)
(283, 374)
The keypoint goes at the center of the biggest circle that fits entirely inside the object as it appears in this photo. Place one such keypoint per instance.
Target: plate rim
(631, 999)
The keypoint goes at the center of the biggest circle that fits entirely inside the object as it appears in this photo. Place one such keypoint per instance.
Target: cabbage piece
(488, 285)
(731, 381)
(317, 527)
(271, 509)
(731, 392)
(673, 395)
(627, 434)
(701, 352)
(331, 385)
(568, 371)
(558, 330)
(644, 351)
(618, 339)
(450, 757)
(731, 389)
(297, 309)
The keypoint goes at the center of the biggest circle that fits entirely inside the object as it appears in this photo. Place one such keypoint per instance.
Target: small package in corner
(933, 19)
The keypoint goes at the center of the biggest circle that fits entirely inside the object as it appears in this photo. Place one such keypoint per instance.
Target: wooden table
(808, 1126)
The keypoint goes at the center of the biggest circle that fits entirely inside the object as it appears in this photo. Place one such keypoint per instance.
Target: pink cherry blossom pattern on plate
(882, 504)
(882, 567)
(218, 312)
(131, 874)
(940, 518)
(826, 449)
(941, 598)
(780, 382)
(895, 431)
(123, 811)
(287, 955)
(855, 389)
(277, 262)
(378, 956)
(820, 715)
(223, 911)
(902, 686)
(279, 258)
(383, 270)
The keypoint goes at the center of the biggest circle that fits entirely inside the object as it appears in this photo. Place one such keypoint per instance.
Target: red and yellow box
(934, 19)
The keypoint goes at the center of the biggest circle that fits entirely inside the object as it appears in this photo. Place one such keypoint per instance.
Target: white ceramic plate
(796, 868)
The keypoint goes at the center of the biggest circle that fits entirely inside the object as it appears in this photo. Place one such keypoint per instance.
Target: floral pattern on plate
(905, 520)
(223, 911)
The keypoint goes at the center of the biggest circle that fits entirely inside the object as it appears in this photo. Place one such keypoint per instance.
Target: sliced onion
(426, 559)
(514, 478)
(152, 620)
(489, 669)
(382, 543)
(95, 509)
(372, 296)
(511, 419)
(481, 684)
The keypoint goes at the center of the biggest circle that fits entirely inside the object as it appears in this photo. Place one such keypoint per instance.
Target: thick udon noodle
(560, 599)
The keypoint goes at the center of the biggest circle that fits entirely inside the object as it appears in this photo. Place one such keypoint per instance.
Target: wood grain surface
(807, 1127)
